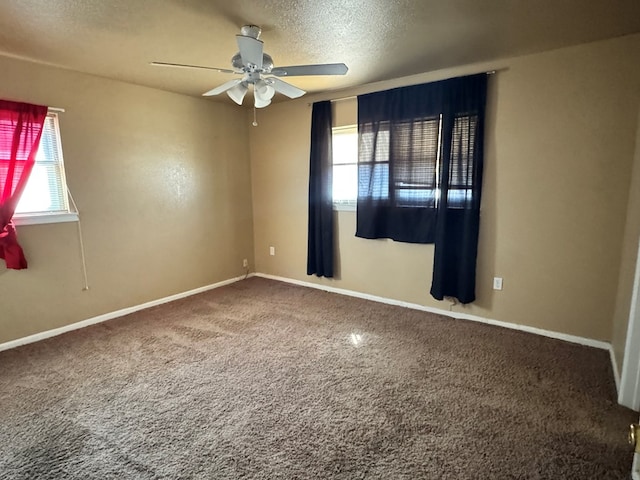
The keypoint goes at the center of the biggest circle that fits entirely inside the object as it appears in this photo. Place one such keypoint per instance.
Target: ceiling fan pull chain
(255, 121)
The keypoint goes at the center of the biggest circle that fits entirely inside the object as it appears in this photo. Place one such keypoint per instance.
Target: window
(45, 198)
(415, 150)
(414, 177)
(345, 166)
(416, 172)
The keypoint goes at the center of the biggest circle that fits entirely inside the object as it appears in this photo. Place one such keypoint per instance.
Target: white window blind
(46, 190)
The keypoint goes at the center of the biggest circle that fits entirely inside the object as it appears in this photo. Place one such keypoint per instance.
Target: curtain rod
(49, 109)
(351, 97)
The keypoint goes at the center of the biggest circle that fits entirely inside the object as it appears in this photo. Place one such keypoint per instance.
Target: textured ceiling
(377, 39)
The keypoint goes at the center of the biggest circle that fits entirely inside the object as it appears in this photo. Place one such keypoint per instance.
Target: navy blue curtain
(458, 219)
(320, 234)
(420, 173)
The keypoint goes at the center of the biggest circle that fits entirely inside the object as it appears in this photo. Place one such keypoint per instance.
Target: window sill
(344, 207)
(39, 219)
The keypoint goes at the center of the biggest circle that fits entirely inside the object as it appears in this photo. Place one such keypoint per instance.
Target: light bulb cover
(260, 102)
(238, 92)
(264, 90)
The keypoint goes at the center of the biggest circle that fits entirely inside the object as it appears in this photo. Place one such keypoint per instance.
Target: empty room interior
(206, 296)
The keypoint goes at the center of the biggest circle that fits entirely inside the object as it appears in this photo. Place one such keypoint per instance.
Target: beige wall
(561, 134)
(162, 183)
(628, 262)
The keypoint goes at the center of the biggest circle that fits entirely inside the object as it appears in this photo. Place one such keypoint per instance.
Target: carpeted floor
(264, 380)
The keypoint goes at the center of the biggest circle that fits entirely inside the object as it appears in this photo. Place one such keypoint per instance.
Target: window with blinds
(461, 165)
(46, 190)
(415, 147)
(415, 170)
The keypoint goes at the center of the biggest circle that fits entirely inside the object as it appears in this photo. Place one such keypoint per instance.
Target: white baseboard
(459, 315)
(111, 315)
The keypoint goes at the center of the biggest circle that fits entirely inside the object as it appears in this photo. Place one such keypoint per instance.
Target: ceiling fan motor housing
(267, 64)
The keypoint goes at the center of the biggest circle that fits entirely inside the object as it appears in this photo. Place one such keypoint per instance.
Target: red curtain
(20, 132)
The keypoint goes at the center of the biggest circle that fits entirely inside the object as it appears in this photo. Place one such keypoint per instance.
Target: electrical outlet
(497, 283)
(272, 251)
(245, 263)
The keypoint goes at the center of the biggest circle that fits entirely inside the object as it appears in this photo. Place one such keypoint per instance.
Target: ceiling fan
(256, 68)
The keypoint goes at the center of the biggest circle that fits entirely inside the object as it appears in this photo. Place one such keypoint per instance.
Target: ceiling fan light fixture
(260, 102)
(238, 92)
(263, 90)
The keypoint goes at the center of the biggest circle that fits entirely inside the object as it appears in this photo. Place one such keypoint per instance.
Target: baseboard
(459, 315)
(111, 315)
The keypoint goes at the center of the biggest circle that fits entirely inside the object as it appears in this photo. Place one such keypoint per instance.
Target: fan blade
(286, 88)
(251, 50)
(322, 69)
(222, 88)
(180, 65)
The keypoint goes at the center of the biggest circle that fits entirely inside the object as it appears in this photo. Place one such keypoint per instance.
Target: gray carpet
(264, 380)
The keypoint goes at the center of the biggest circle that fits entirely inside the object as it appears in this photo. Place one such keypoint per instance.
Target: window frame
(46, 217)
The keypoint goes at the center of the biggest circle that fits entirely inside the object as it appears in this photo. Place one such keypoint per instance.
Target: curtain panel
(21, 127)
(320, 228)
(420, 173)
(397, 158)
